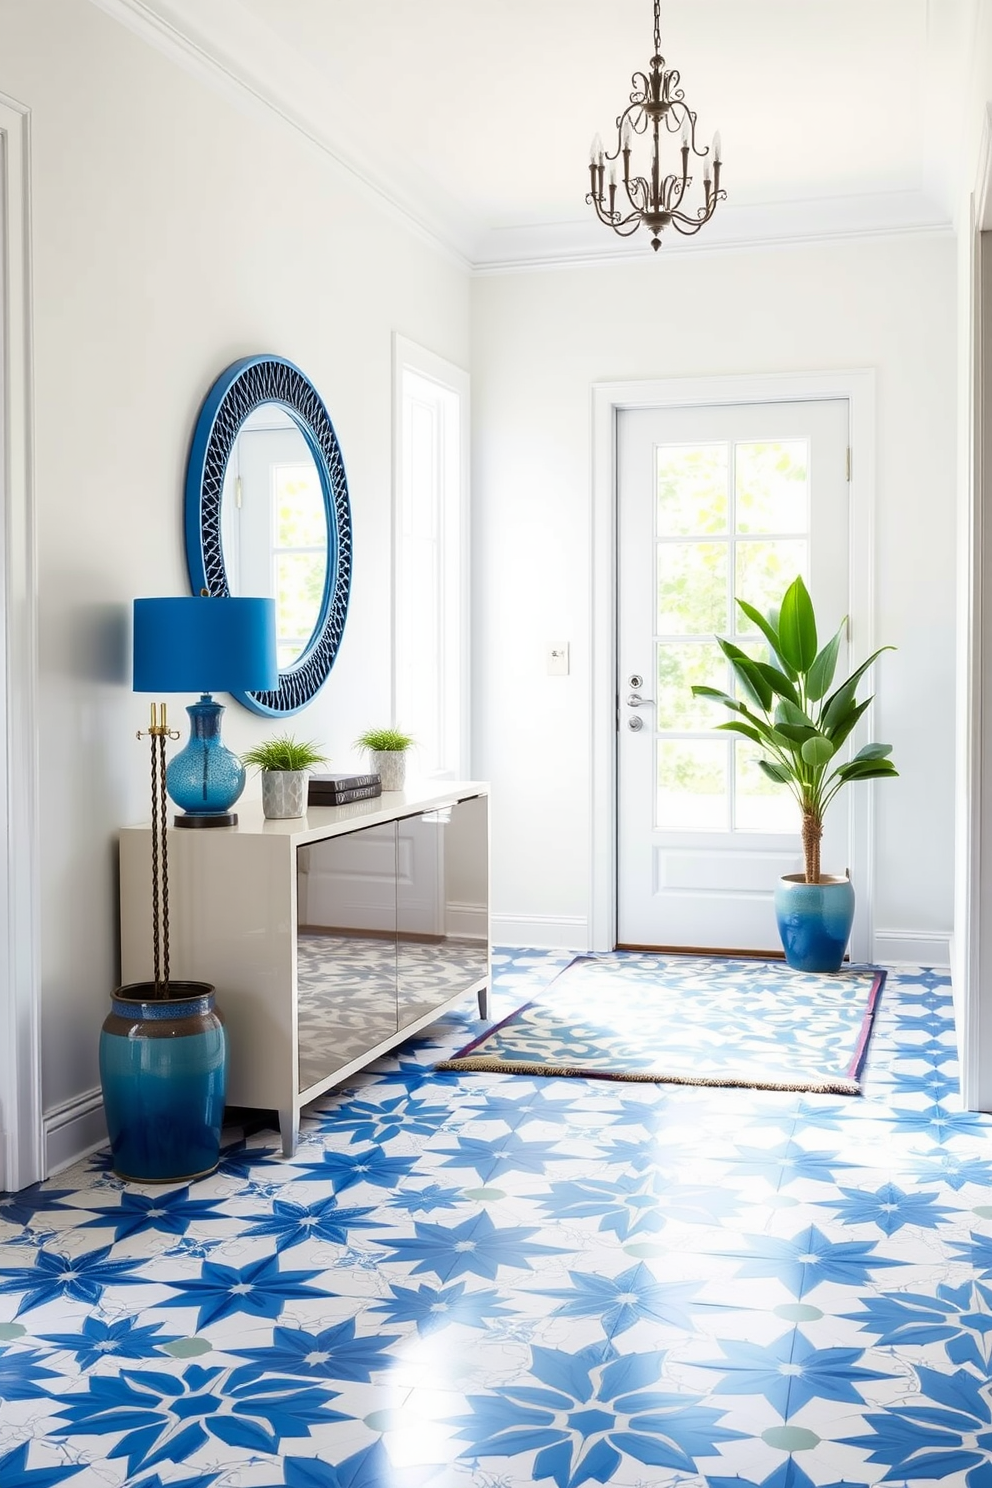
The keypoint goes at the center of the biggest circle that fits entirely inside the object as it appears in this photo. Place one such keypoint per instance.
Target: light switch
(558, 659)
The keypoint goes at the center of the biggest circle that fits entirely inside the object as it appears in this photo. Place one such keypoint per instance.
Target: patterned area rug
(689, 1020)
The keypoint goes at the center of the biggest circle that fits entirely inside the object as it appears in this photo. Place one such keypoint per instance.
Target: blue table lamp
(204, 645)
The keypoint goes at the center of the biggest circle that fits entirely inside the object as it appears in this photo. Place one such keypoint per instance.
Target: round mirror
(267, 514)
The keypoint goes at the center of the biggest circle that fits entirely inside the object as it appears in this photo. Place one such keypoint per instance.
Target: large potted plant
(789, 707)
(285, 763)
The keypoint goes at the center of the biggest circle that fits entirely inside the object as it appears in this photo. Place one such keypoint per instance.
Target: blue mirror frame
(239, 390)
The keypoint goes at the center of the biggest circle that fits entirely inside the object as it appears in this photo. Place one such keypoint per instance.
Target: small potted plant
(387, 748)
(285, 763)
(789, 707)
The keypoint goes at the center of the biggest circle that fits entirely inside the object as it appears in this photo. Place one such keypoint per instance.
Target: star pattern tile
(491, 1281)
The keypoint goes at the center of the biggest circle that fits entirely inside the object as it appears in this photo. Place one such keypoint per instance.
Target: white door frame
(971, 954)
(610, 398)
(21, 1137)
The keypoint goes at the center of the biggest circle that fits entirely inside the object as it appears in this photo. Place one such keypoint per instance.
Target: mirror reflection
(274, 525)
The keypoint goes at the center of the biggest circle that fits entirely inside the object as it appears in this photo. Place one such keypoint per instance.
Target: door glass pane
(692, 785)
(759, 804)
(764, 570)
(680, 668)
(771, 486)
(692, 588)
(692, 489)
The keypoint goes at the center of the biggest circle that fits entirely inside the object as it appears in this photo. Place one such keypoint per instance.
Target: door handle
(636, 701)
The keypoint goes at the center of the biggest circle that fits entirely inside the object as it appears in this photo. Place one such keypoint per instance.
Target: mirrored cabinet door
(442, 894)
(346, 949)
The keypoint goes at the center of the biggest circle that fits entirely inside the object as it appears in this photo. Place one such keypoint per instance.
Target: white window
(430, 572)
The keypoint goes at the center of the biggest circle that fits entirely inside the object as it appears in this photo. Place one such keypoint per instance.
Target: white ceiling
(474, 117)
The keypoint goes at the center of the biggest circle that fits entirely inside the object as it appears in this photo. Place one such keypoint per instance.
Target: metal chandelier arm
(655, 197)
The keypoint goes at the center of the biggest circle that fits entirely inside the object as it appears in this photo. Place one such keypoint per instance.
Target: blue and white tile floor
(488, 1281)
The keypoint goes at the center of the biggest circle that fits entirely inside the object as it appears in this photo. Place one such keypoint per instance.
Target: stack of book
(338, 790)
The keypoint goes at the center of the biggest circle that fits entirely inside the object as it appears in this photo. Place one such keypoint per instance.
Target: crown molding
(226, 48)
(229, 49)
(734, 229)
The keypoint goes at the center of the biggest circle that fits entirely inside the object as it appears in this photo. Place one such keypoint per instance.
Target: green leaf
(842, 699)
(778, 682)
(797, 733)
(873, 752)
(865, 770)
(717, 696)
(746, 669)
(742, 728)
(818, 751)
(797, 627)
(776, 772)
(839, 731)
(787, 712)
(769, 629)
(821, 673)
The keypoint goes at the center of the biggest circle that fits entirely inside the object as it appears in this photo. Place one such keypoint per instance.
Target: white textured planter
(284, 793)
(391, 765)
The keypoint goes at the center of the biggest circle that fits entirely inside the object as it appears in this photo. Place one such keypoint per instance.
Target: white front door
(715, 503)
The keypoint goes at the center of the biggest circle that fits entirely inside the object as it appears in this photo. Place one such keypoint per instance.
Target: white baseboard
(467, 921)
(543, 932)
(912, 948)
(74, 1130)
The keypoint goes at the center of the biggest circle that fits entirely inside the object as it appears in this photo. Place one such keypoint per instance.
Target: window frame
(453, 540)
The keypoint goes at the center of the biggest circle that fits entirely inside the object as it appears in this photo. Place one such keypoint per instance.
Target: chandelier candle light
(655, 199)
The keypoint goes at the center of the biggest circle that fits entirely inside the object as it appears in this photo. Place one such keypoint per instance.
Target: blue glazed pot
(814, 921)
(163, 1068)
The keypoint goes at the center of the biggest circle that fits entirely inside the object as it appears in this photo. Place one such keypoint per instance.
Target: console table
(330, 938)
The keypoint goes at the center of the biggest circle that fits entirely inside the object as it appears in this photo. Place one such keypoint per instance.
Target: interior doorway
(714, 504)
(612, 402)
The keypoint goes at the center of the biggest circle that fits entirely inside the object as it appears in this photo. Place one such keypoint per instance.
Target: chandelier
(654, 199)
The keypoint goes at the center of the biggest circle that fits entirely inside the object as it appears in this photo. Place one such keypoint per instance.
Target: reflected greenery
(683, 666)
(692, 588)
(771, 486)
(692, 489)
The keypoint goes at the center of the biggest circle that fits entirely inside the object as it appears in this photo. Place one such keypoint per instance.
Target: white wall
(539, 341)
(174, 231)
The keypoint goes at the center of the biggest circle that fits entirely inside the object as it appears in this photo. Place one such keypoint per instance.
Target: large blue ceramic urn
(814, 921)
(163, 1068)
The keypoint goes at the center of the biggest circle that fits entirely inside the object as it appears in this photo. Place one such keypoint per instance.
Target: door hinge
(848, 477)
(238, 492)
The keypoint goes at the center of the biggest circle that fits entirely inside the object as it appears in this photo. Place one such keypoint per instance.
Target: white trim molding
(74, 1130)
(913, 948)
(857, 386)
(22, 1149)
(542, 932)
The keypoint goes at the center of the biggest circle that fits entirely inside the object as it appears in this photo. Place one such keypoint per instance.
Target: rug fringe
(736, 1082)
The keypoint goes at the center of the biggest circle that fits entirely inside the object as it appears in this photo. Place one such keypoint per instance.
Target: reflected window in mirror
(274, 525)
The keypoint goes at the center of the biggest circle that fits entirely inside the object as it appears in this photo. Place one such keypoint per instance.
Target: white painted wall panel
(540, 340)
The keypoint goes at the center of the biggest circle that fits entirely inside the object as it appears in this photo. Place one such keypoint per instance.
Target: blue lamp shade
(205, 645)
